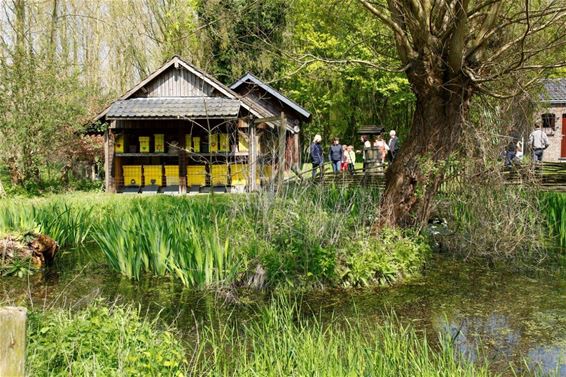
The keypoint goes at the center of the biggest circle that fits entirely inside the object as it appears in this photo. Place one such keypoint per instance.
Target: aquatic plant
(554, 205)
(103, 341)
(281, 342)
(183, 240)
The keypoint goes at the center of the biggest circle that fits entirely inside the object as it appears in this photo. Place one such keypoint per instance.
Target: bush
(384, 259)
(101, 341)
(495, 222)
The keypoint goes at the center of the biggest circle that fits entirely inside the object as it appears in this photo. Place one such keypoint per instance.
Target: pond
(501, 315)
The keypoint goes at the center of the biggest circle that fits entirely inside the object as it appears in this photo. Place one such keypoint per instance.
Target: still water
(495, 314)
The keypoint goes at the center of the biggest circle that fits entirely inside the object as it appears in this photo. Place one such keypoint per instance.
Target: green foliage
(384, 259)
(508, 223)
(17, 267)
(101, 341)
(306, 236)
(554, 207)
(168, 237)
(344, 96)
(281, 343)
(296, 236)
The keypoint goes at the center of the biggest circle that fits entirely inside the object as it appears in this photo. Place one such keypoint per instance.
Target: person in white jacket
(538, 142)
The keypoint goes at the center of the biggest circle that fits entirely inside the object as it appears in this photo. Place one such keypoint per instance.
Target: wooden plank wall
(177, 83)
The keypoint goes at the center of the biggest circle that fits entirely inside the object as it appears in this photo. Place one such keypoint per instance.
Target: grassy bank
(313, 236)
(277, 342)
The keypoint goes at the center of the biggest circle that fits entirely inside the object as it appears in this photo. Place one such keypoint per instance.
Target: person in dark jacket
(316, 155)
(336, 154)
(393, 145)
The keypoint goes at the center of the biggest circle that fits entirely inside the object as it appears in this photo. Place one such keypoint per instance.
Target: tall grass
(554, 204)
(182, 240)
(281, 343)
(276, 341)
(308, 235)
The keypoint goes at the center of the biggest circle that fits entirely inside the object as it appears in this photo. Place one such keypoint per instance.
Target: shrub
(384, 259)
(494, 222)
(101, 341)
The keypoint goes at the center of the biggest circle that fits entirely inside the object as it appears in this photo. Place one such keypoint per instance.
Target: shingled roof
(554, 90)
(249, 78)
(174, 107)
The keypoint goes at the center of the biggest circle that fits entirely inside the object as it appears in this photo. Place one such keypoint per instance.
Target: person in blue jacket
(336, 154)
(316, 155)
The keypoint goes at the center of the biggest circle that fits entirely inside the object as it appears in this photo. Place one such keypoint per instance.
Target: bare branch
(406, 51)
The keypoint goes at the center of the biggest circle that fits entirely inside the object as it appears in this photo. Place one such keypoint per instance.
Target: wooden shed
(181, 130)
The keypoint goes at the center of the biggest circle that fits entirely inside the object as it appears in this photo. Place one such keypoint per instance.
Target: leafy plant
(103, 341)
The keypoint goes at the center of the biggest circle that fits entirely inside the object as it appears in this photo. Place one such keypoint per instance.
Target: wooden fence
(549, 176)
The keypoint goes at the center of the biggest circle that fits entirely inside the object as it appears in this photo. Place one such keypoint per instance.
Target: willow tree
(451, 51)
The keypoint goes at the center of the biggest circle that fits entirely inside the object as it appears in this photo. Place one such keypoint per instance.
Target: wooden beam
(181, 139)
(265, 120)
(296, 152)
(252, 159)
(12, 341)
(109, 160)
(281, 151)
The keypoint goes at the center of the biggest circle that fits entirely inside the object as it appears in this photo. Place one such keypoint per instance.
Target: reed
(280, 342)
(554, 205)
(184, 240)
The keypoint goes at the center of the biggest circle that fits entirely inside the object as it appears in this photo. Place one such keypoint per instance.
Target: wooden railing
(547, 175)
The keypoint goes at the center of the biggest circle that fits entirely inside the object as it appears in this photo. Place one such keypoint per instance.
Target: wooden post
(281, 151)
(12, 341)
(252, 156)
(109, 159)
(181, 139)
(296, 152)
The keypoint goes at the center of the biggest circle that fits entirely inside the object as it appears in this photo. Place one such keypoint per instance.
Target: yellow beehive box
(264, 171)
(132, 175)
(159, 143)
(224, 143)
(243, 144)
(119, 144)
(144, 144)
(196, 175)
(213, 143)
(152, 175)
(171, 175)
(240, 174)
(196, 144)
(219, 174)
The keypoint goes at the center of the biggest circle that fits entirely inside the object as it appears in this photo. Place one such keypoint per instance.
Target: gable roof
(174, 108)
(554, 90)
(250, 105)
(250, 78)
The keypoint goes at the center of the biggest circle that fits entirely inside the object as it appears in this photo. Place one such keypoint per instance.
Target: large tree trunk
(415, 177)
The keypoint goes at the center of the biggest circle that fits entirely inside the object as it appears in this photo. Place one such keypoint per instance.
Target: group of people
(384, 149)
(343, 157)
(538, 142)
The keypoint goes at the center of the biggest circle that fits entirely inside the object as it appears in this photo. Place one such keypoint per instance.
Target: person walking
(365, 150)
(393, 145)
(538, 142)
(335, 154)
(382, 148)
(344, 163)
(351, 159)
(317, 158)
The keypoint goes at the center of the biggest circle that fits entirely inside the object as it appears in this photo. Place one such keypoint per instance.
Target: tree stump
(12, 341)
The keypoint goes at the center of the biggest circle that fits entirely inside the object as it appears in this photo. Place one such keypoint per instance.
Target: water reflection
(499, 316)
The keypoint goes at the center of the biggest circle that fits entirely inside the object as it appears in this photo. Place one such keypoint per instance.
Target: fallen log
(38, 248)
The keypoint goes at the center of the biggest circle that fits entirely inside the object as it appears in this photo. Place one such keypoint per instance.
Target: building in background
(553, 117)
(181, 130)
